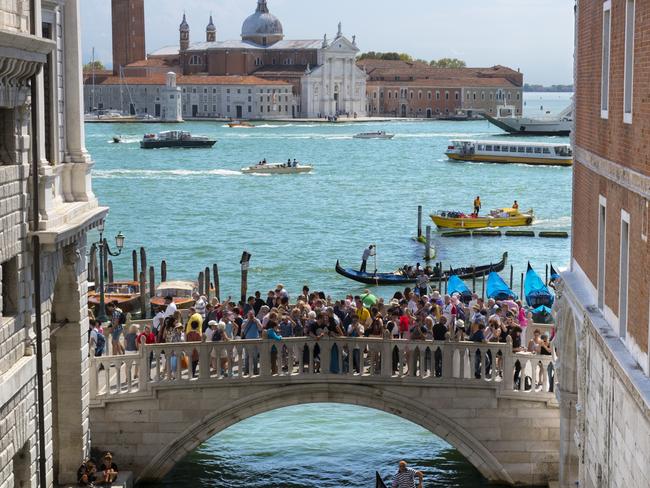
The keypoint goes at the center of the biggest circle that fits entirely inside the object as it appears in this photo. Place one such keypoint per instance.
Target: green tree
(94, 65)
(448, 63)
(390, 56)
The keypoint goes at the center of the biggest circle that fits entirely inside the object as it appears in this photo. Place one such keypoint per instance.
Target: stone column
(75, 146)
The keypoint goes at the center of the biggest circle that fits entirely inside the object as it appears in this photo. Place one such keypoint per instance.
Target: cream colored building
(44, 432)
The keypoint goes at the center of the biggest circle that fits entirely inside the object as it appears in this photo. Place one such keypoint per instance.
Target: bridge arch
(263, 400)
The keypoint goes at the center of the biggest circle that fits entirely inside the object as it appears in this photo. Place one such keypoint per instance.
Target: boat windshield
(563, 151)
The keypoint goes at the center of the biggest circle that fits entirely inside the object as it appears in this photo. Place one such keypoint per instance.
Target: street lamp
(119, 243)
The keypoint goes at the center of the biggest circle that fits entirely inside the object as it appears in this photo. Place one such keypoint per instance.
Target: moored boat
(559, 125)
(399, 277)
(497, 289)
(533, 153)
(125, 293)
(277, 169)
(180, 291)
(374, 135)
(175, 138)
(503, 217)
(456, 285)
(535, 291)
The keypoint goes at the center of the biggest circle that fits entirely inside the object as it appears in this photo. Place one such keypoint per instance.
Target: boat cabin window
(521, 149)
(529, 150)
(488, 147)
(513, 149)
(546, 150)
(497, 148)
(538, 150)
(481, 147)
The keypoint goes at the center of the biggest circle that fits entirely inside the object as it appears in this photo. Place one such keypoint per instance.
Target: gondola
(497, 289)
(456, 285)
(399, 279)
(554, 275)
(379, 483)
(535, 291)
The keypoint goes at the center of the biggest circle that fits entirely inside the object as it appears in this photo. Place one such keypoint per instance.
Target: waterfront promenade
(459, 391)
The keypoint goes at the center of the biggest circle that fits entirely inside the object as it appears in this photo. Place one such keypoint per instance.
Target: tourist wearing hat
(108, 469)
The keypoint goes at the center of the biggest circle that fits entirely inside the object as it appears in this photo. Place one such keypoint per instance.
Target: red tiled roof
(161, 79)
(465, 82)
(148, 63)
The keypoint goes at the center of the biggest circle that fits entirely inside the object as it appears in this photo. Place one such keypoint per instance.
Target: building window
(437, 95)
(457, 95)
(205, 108)
(604, 80)
(250, 109)
(238, 91)
(9, 288)
(390, 95)
(214, 109)
(193, 90)
(227, 90)
(628, 86)
(474, 95)
(228, 108)
(602, 241)
(419, 95)
(429, 95)
(446, 95)
(624, 275)
(214, 90)
(411, 94)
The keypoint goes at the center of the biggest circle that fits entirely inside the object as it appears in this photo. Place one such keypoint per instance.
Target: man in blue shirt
(251, 329)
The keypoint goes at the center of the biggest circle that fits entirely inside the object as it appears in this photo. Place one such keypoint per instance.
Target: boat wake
(127, 140)
(147, 174)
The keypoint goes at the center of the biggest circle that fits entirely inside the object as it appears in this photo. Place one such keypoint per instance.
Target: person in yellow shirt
(194, 317)
(362, 312)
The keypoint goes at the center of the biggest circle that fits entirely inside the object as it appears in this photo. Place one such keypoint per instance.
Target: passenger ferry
(535, 153)
(175, 138)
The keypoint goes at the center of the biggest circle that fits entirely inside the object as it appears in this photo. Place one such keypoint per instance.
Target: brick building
(415, 89)
(44, 381)
(128, 32)
(603, 313)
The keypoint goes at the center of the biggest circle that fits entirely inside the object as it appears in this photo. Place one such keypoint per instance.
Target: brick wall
(611, 138)
(128, 32)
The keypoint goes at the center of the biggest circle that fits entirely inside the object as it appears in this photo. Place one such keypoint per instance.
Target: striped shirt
(404, 479)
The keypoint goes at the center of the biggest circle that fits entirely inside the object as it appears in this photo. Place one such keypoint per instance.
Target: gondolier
(367, 253)
(405, 477)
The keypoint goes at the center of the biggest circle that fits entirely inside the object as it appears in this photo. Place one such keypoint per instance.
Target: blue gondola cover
(497, 288)
(535, 291)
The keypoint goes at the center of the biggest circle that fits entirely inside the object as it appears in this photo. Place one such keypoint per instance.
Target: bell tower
(211, 31)
(184, 30)
(128, 32)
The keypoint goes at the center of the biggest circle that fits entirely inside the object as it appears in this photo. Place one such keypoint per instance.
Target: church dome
(262, 24)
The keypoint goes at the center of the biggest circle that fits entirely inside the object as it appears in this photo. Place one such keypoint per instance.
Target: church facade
(322, 72)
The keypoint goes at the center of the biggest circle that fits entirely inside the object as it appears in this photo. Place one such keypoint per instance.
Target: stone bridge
(477, 397)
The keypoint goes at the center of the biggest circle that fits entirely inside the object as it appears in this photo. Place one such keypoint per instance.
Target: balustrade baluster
(204, 360)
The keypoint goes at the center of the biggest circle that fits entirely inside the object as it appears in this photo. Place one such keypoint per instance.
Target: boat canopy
(535, 291)
(176, 289)
(497, 288)
(456, 285)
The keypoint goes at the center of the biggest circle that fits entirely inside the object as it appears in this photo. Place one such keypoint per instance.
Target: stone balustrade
(355, 360)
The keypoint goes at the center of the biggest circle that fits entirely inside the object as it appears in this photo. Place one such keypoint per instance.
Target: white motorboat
(559, 125)
(374, 135)
(277, 169)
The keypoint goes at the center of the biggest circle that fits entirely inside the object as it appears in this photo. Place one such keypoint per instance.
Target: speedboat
(117, 139)
(277, 169)
(502, 217)
(374, 135)
(240, 124)
(175, 138)
(533, 153)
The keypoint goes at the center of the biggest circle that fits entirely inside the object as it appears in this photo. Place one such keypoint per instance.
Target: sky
(535, 36)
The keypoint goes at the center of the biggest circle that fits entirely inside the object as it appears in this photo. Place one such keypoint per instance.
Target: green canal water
(195, 208)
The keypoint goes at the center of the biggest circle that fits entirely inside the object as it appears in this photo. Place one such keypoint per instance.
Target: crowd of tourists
(411, 314)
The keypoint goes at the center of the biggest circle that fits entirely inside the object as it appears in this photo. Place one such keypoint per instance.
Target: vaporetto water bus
(535, 153)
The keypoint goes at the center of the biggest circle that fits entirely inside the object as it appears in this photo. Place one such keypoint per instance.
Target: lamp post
(103, 248)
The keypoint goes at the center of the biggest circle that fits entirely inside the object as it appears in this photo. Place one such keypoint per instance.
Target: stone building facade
(240, 97)
(414, 89)
(603, 315)
(40, 55)
(128, 33)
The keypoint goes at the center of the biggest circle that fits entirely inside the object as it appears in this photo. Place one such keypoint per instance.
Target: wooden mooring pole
(245, 262)
(427, 252)
(163, 271)
(483, 287)
(215, 274)
(512, 272)
(134, 259)
(201, 283)
(143, 296)
(473, 279)
(143, 260)
(206, 277)
(419, 221)
(110, 271)
(521, 295)
(152, 282)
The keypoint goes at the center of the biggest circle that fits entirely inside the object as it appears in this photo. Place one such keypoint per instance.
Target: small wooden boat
(277, 169)
(399, 278)
(535, 291)
(535, 153)
(497, 289)
(126, 293)
(180, 291)
(503, 217)
(238, 124)
(374, 135)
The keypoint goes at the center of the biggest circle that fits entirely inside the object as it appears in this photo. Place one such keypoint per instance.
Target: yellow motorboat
(502, 217)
